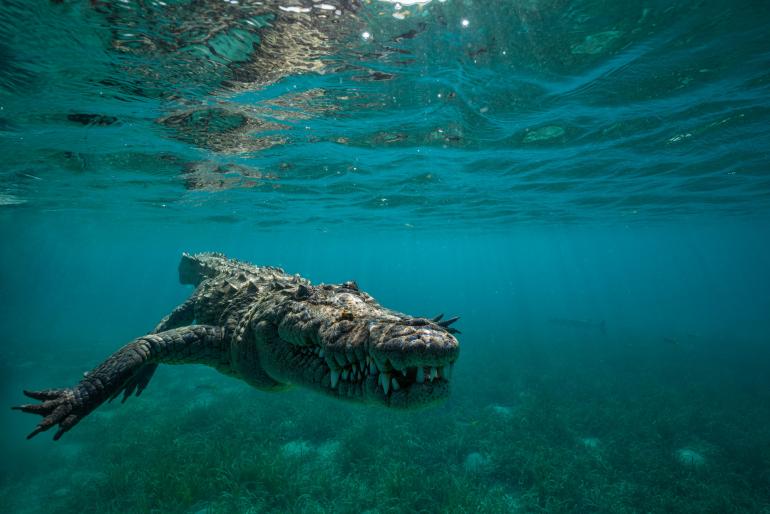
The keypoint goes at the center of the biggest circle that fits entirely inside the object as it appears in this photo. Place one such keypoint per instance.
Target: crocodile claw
(59, 406)
(45, 394)
(137, 382)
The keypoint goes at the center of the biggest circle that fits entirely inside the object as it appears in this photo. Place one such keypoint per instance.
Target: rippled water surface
(390, 114)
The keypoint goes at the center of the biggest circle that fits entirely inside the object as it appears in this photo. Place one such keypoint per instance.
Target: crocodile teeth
(345, 374)
(394, 384)
(433, 374)
(355, 367)
(403, 371)
(321, 352)
(372, 368)
(332, 363)
(385, 381)
(335, 375)
(420, 375)
(341, 359)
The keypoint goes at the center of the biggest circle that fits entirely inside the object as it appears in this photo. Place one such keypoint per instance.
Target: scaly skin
(272, 330)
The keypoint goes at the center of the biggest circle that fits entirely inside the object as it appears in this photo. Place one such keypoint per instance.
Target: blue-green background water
(594, 161)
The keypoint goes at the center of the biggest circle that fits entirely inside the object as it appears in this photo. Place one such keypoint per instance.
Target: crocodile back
(227, 288)
(195, 268)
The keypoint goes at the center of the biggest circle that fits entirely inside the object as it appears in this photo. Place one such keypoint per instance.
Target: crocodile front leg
(181, 316)
(197, 344)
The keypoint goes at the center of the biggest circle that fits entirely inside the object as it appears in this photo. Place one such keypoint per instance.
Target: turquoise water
(586, 184)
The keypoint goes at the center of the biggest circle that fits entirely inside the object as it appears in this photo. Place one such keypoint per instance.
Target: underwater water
(586, 184)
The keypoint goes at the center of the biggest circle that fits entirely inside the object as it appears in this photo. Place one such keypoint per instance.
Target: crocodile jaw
(338, 340)
(400, 363)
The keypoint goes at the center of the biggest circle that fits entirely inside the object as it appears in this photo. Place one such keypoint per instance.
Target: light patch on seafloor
(514, 504)
(592, 443)
(544, 134)
(501, 411)
(596, 43)
(328, 449)
(299, 448)
(475, 462)
(690, 458)
(6, 199)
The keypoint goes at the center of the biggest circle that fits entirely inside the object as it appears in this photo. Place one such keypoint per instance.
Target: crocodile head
(338, 340)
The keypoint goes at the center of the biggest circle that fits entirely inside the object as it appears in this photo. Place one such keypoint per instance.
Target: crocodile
(272, 330)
